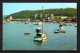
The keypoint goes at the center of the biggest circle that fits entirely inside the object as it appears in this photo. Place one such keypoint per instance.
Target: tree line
(31, 13)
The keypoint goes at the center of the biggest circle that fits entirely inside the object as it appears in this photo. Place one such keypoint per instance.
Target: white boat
(39, 39)
(35, 23)
(40, 36)
(75, 25)
(39, 23)
(27, 23)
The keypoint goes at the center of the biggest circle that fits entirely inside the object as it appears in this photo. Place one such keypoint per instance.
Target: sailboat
(40, 36)
(60, 30)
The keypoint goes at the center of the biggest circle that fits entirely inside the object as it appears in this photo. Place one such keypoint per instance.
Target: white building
(63, 17)
(46, 15)
(10, 18)
(36, 15)
(52, 16)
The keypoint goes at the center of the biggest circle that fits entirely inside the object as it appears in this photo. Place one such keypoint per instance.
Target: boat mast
(42, 19)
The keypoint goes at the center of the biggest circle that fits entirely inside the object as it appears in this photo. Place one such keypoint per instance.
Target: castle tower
(52, 16)
(46, 15)
(36, 15)
(10, 18)
(40, 15)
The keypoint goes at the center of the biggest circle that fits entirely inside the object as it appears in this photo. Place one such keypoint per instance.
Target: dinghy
(27, 33)
(60, 32)
(75, 25)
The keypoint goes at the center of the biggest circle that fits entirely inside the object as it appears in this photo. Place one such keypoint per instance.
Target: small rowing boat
(27, 33)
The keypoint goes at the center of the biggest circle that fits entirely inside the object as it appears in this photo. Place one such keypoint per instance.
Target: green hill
(5, 16)
(31, 13)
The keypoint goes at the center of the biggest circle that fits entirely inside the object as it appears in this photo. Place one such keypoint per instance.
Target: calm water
(14, 38)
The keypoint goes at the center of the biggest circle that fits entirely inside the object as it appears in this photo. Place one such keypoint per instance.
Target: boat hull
(60, 32)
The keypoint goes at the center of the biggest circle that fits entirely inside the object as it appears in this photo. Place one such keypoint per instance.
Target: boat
(58, 31)
(27, 23)
(40, 36)
(40, 42)
(37, 23)
(75, 25)
(27, 33)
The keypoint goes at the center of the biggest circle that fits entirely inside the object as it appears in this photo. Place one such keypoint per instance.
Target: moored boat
(37, 23)
(75, 25)
(60, 31)
(40, 36)
(27, 33)
(27, 23)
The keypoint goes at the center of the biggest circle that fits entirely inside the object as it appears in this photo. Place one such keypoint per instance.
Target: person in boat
(58, 30)
(61, 27)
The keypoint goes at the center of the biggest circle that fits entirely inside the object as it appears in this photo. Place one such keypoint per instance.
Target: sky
(9, 8)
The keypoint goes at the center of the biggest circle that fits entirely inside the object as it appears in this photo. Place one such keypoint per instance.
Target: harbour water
(14, 38)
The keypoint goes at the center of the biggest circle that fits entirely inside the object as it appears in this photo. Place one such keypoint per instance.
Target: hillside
(31, 13)
(5, 16)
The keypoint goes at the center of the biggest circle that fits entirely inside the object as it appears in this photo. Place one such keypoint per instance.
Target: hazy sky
(9, 8)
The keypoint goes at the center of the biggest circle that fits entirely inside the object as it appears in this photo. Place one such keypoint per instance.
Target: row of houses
(50, 18)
